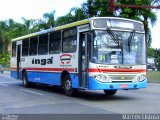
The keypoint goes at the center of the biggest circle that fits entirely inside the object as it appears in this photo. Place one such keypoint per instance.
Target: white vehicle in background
(151, 64)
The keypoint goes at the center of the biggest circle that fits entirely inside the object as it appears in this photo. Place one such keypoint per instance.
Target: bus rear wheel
(25, 80)
(110, 92)
(69, 91)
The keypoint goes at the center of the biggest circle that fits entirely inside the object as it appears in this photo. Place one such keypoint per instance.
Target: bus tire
(25, 80)
(69, 91)
(110, 92)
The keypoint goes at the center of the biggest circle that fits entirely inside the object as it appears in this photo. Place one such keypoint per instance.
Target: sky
(155, 30)
(34, 9)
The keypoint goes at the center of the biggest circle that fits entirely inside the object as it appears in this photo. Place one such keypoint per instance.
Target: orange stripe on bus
(13, 68)
(51, 69)
(47, 69)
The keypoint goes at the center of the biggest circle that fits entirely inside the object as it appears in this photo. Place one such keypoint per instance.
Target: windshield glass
(117, 47)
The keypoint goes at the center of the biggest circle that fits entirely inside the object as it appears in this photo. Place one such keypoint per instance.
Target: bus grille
(122, 78)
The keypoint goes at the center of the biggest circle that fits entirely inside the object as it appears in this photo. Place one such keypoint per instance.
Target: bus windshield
(118, 47)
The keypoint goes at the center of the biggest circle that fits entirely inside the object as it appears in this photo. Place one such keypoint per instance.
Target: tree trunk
(145, 22)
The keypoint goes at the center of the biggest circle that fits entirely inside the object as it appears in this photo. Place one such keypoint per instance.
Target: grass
(153, 76)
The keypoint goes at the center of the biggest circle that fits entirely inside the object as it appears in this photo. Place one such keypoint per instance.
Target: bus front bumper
(97, 85)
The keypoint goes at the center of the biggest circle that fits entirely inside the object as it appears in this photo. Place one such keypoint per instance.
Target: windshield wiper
(130, 39)
(113, 36)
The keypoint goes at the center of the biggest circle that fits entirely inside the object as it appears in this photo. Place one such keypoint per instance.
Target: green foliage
(150, 52)
(5, 59)
(74, 15)
(157, 56)
(49, 19)
(153, 76)
(96, 8)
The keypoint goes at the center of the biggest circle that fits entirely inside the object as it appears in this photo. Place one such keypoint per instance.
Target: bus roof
(68, 26)
(53, 29)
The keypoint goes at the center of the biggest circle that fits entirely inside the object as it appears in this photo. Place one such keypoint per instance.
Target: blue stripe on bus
(14, 74)
(44, 77)
(97, 85)
(54, 79)
(49, 78)
(74, 79)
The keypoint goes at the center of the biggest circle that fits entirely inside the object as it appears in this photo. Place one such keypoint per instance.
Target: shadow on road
(82, 94)
(94, 96)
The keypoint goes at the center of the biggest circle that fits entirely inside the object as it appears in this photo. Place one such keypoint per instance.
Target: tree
(28, 26)
(49, 19)
(3, 35)
(96, 8)
(77, 14)
(74, 15)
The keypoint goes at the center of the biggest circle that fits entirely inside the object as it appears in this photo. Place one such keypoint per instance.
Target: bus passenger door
(83, 60)
(19, 61)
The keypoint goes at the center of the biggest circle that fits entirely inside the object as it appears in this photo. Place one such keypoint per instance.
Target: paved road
(14, 98)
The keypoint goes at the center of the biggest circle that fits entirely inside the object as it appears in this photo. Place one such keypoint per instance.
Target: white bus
(99, 53)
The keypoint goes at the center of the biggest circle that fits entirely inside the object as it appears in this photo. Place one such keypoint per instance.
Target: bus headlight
(140, 78)
(102, 78)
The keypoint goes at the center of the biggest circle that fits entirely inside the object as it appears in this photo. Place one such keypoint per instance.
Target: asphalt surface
(14, 98)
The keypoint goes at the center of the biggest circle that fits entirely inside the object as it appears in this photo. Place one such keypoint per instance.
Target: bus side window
(70, 40)
(33, 46)
(43, 44)
(25, 47)
(55, 42)
(14, 49)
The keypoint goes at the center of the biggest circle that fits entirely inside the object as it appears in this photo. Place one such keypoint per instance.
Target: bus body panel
(119, 76)
(48, 69)
(50, 78)
(96, 85)
(13, 67)
(14, 74)
(39, 71)
(44, 77)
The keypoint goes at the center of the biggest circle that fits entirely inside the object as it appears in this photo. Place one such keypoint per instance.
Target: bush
(5, 59)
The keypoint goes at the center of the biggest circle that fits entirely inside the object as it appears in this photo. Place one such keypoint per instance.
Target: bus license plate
(124, 86)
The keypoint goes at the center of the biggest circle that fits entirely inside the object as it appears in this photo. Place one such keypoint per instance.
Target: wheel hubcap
(24, 81)
(68, 85)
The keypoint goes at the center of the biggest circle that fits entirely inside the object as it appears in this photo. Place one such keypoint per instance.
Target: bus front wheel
(69, 91)
(110, 92)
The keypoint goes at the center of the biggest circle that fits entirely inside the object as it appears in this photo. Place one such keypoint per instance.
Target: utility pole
(113, 5)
